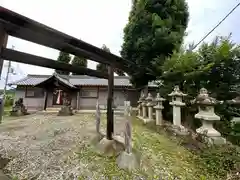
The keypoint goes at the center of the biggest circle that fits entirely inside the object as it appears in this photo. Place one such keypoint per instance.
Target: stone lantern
(177, 97)
(140, 113)
(159, 107)
(144, 107)
(207, 115)
(150, 105)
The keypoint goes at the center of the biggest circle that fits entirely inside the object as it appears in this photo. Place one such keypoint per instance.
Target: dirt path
(42, 146)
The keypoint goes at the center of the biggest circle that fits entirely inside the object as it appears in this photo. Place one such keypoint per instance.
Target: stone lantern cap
(176, 92)
(203, 98)
(141, 98)
(149, 97)
(159, 98)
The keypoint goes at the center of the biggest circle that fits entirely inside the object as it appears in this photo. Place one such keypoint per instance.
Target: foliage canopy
(65, 58)
(154, 30)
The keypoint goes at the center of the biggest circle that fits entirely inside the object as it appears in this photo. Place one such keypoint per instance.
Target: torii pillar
(3, 44)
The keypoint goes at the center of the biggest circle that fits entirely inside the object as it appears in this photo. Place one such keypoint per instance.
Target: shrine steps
(53, 109)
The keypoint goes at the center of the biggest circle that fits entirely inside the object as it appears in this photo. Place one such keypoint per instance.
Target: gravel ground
(50, 147)
(43, 146)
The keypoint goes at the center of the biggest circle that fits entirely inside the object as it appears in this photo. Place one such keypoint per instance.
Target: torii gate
(22, 27)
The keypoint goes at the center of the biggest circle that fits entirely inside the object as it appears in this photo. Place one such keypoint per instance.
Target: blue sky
(102, 22)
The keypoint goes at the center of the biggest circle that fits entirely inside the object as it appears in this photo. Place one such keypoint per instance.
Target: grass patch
(7, 110)
(162, 158)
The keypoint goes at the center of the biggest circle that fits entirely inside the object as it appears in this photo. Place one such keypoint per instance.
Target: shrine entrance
(58, 90)
(58, 95)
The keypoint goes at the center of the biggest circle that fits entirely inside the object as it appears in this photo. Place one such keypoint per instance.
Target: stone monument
(159, 107)
(66, 110)
(19, 109)
(127, 159)
(207, 115)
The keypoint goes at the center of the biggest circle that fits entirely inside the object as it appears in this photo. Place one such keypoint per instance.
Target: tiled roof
(77, 80)
(60, 78)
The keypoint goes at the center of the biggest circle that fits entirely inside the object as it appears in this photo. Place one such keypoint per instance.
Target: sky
(102, 22)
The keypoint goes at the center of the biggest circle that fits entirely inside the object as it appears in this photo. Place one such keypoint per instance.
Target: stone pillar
(177, 103)
(159, 107)
(149, 105)
(207, 115)
(98, 120)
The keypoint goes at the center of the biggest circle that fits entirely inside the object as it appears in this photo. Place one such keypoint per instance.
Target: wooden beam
(29, 35)
(21, 57)
(110, 113)
(20, 26)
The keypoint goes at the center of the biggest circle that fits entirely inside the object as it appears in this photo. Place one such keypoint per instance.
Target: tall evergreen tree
(155, 29)
(79, 61)
(65, 58)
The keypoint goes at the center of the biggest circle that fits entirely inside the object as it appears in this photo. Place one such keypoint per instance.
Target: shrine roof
(76, 80)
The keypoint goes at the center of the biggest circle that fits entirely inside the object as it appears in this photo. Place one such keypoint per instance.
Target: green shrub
(221, 160)
(8, 101)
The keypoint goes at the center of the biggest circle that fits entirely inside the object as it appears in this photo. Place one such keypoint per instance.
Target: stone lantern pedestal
(159, 107)
(207, 116)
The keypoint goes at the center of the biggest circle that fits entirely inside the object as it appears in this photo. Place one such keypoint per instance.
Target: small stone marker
(127, 159)
(98, 136)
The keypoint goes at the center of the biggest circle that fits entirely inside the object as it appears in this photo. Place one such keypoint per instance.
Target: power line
(216, 26)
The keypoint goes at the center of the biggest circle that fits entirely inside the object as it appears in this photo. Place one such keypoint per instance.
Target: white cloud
(102, 22)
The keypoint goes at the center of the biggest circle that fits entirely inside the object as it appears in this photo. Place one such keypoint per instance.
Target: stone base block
(180, 130)
(97, 138)
(215, 140)
(108, 147)
(65, 111)
(18, 113)
(128, 161)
